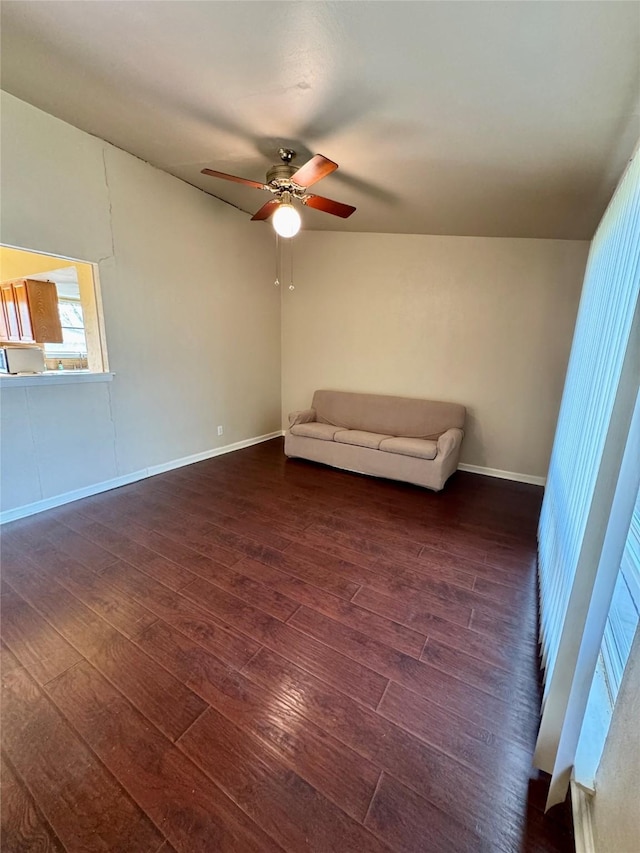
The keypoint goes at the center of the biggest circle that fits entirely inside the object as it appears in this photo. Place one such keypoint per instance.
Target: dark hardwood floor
(256, 654)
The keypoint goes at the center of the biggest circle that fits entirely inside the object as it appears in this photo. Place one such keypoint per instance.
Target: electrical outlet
(220, 430)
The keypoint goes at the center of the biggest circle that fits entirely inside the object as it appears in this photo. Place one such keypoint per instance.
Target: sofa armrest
(449, 442)
(304, 416)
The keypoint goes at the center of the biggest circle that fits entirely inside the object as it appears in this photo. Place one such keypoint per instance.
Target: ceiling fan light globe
(286, 220)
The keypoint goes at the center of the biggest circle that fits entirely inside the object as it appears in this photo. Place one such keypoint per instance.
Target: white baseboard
(503, 475)
(68, 497)
(582, 825)
(209, 454)
(126, 479)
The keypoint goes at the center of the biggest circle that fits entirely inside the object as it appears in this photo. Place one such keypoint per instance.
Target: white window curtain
(589, 496)
(624, 614)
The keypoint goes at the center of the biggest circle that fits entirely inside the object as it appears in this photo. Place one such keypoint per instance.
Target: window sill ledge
(54, 378)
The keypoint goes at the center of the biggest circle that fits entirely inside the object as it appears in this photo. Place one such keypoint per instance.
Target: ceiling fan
(287, 182)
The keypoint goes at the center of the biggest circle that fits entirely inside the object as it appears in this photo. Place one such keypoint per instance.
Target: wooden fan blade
(313, 171)
(266, 210)
(329, 206)
(234, 178)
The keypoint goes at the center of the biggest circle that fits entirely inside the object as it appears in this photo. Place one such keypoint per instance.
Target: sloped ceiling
(468, 118)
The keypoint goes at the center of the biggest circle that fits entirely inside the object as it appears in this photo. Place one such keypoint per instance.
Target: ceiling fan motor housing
(281, 172)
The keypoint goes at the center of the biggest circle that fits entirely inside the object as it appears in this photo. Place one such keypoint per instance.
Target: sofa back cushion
(403, 416)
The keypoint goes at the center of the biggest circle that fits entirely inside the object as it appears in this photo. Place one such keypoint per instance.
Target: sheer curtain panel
(580, 541)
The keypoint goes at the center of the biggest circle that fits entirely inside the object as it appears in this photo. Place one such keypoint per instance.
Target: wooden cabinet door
(43, 310)
(22, 307)
(29, 311)
(10, 311)
(4, 326)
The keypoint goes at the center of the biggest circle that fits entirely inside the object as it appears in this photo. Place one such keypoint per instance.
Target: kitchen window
(78, 304)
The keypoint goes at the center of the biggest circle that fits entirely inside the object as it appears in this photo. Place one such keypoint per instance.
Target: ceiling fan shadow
(339, 111)
(367, 188)
(208, 118)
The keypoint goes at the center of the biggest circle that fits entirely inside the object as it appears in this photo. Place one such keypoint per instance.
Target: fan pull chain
(291, 284)
(277, 281)
(284, 259)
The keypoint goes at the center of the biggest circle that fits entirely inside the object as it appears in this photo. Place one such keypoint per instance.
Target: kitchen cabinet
(29, 311)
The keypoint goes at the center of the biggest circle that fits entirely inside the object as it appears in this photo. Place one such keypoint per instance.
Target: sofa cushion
(359, 437)
(325, 432)
(397, 416)
(418, 447)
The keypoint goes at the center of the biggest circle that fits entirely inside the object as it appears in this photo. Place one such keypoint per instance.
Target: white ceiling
(471, 118)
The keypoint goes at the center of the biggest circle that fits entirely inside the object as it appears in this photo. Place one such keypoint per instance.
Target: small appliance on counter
(21, 360)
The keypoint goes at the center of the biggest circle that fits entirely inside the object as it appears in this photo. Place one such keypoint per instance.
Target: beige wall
(192, 318)
(481, 321)
(616, 805)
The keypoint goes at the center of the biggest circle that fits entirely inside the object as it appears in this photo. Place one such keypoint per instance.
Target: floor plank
(165, 701)
(406, 820)
(42, 651)
(95, 591)
(336, 668)
(290, 809)
(22, 824)
(453, 689)
(126, 547)
(195, 815)
(297, 741)
(186, 615)
(85, 806)
(448, 776)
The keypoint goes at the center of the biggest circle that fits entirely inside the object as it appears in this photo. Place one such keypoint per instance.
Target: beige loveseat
(417, 441)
